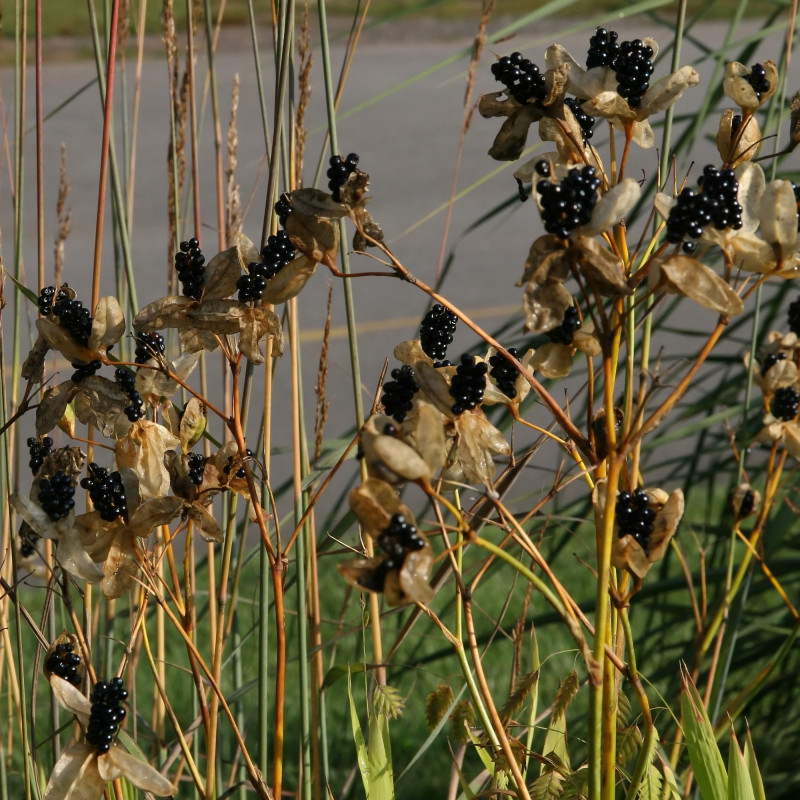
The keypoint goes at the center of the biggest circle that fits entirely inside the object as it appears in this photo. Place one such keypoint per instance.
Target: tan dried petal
(752, 184)
(510, 140)
(121, 567)
(69, 696)
(167, 312)
(117, 763)
(75, 775)
(193, 423)
(666, 91)
(553, 360)
(740, 145)
(544, 305)
(609, 104)
(612, 207)
(496, 104)
(154, 513)
(687, 276)
(142, 450)
(434, 384)
(586, 340)
(778, 217)
(205, 522)
(665, 524)
(374, 503)
(290, 281)
(33, 366)
(411, 583)
(60, 339)
(400, 458)
(108, 325)
(628, 554)
(54, 403)
(224, 270)
(76, 560)
(34, 515)
(317, 236)
(427, 433)
(101, 403)
(258, 323)
(604, 270)
(478, 442)
(410, 352)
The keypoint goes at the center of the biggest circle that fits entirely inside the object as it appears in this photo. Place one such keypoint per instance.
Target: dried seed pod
(601, 432)
(63, 659)
(738, 140)
(745, 501)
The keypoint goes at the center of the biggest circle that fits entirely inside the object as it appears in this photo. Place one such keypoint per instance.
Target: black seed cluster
(38, 451)
(107, 713)
(714, 204)
(190, 263)
(28, 538)
(569, 204)
(275, 255)
(106, 491)
(73, 317)
(64, 663)
(584, 120)
(84, 370)
(505, 373)
(564, 333)
(127, 382)
(148, 345)
(794, 317)
(468, 384)
(398, 393)
(283, 208)
(396, 540)
(241, 472)
(56, 495)
(603, 48)
(785, 403)
(521, 77)
(339, 171)
(635, 518)
(748, 504)
(46, 297)
(633, 69)
(770, 361)
(436, 332)
(758, 79)
(197, 465)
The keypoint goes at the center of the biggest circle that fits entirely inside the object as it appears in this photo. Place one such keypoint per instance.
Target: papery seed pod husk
(64, 638)
(371, 228)
(423, 429)
(400, 586)
(354, 188)
(177, 465)
(53, 406)
(478, 442)
(166, 312)
(545, 305)
(193, 423)
(223, 271)
(61, 339)
(142, 450)
(101, 403)
(33, 366)
(108, 324)
(794, 123)
(121, 567)
(69, 460)
(290, 281)
(207, 525)
(745, 501)
(601, 268)
(374, 503)
(680, 274)
(778, 217)
(549, 259)
(601, 433)
(738, 88)
(748, 139)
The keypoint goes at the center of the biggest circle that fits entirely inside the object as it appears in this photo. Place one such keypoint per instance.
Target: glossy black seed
(148, 345)
(241, 472)
(197, 465)
(542, 168)
(785, 403)
(468, 384)
(38, 450)
(127, 381)
(73, 317)
(714, 202)
(56, 495)
(633, 69)
(794, 316)
(770, 361)
(568, 204)
(339, 171)
(584, 120)
(398, 393)
(283, 208)
(64, 663)
(504, 373)
(521, 77)
(190, 264)
(635, 518)
(603, 48)
(46, 300)
(564, 333)
(398, 538)
(85, 370)
(436, 332)
(757, 78)
(106, 492)
(107, 713)
(275, 255)
(747, 504)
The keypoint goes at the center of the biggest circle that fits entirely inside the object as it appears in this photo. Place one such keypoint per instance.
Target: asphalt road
(401, 110)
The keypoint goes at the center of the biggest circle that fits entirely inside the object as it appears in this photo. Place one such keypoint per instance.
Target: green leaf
(752, 769)
(23, 290)
(704, 755)
(340, 671)
(739, 786)
(547, 786)
(358, 738)
(651, 784)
